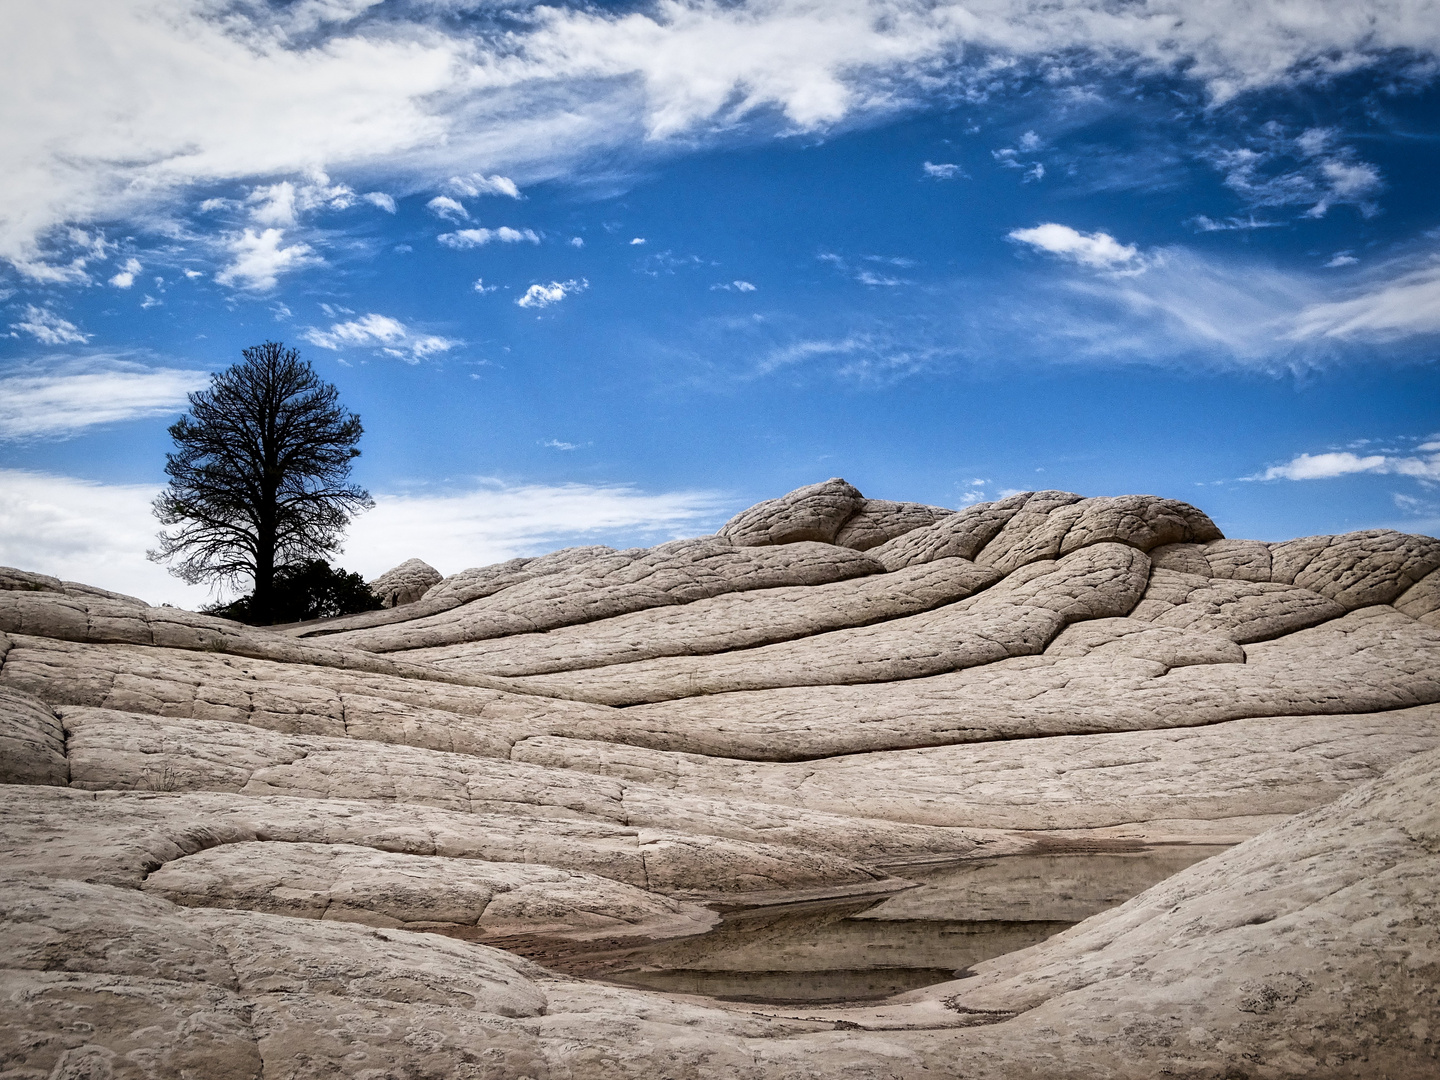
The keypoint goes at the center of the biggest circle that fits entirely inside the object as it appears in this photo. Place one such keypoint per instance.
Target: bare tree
(260, 475)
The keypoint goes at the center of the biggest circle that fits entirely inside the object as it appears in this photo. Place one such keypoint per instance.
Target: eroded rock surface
(406, 583)
(228, 851)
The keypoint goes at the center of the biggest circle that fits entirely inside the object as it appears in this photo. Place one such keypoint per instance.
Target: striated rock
(406, 583)
(1243, 611)
(470, 899)
(844, 749)
(718, 624)
(32, 742)
(1018, 617)
(1036, 525)
(607, 585)
(1371, 660)
(878, 521)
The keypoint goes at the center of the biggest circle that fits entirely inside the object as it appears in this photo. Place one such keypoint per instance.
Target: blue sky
(609, 273)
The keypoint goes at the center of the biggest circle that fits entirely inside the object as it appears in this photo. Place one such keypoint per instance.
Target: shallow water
(857, 949)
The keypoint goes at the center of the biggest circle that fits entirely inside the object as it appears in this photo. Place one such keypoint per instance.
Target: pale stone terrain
(842, 749)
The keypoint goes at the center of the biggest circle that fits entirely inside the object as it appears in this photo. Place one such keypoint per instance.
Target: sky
(608, 273)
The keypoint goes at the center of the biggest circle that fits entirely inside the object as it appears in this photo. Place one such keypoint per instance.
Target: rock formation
(404, 584)
(1051, 786)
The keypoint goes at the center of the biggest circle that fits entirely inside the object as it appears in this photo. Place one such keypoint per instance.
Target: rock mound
(841, 739)
(406, 583)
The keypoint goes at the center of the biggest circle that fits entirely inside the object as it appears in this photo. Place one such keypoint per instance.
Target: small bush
(312, 589)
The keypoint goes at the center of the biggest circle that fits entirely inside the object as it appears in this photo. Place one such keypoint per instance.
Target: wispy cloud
(477, 184)
(1277, 167)
(50, 400)
(1231, 224)
(1399, 302)
(943, 170)
(389, 335)
(863, 274)
(48, 328)
(539, 296)
(469, 238)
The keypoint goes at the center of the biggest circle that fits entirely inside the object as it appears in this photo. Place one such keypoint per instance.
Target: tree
(260, 475)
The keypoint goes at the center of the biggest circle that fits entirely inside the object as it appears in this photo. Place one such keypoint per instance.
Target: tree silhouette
(260, 475)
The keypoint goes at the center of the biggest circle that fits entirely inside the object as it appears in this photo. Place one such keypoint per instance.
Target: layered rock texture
(406, 583)
(1051, 786)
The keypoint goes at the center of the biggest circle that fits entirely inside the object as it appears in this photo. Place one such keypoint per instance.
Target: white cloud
(743, 286)
(556, 444)
(576, 242)
(1097, 250)
(369, 329)
(482, 288)
(258, 259)
(442, 206)
(478, 184)
(496, 521)
(1345, 463)
(469, 238)
(126, 275)
(247, 93)
(379, 198)
(48, 328)
(423, 346)
(943, 170)
(39, 402)
(78, 530)
(1341, 258)
(539, 296)
(1391, 307)
(374, 331)
(283, 203)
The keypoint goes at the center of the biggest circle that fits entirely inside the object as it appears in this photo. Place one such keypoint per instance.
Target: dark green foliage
(312, 589)
(260, 475)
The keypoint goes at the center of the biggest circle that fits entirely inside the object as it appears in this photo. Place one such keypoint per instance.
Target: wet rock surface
(855, 788)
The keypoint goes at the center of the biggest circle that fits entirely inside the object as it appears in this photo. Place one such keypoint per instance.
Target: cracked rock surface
(418, 841)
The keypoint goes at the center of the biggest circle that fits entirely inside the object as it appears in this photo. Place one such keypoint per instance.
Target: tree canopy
(260, 475)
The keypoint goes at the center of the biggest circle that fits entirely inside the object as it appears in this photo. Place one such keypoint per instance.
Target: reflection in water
(957, 915)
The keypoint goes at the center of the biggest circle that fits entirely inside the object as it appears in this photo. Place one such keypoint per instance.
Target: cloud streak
(68, 401)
